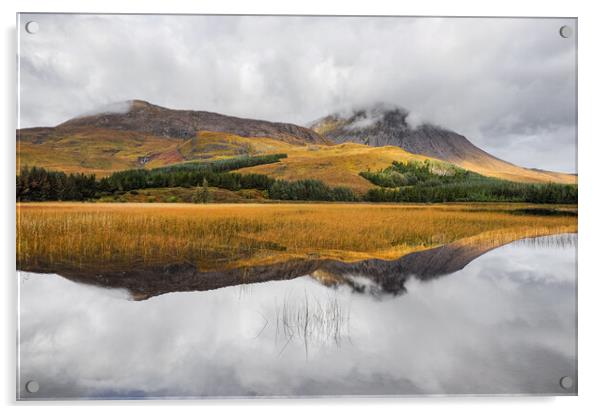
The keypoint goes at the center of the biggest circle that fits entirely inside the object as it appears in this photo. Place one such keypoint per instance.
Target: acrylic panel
(213, 206)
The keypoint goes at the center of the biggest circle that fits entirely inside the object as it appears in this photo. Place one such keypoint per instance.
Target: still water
(504, 324)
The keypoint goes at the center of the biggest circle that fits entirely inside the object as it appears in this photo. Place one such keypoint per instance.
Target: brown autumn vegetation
(185, 195)
(102, 151)
(219, 236)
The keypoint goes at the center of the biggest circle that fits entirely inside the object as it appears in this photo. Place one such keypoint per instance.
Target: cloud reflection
(504, 324)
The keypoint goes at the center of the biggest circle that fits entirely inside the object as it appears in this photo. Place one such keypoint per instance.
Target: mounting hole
(566, 383)
(32, 386)
(32, 27)
(566, 31)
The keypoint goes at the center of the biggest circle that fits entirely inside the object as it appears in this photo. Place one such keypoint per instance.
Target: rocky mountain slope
(137, 134)
(389, 126)
(337, 148)
(163, 122)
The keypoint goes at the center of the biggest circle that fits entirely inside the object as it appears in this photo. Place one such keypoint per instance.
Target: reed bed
(218, 236)
(314, 321)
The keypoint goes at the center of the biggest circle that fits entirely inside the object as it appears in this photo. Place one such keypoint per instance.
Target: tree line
(486, 191)
(192, 174)
(313, 190)
(140, 179)
(39, 184)
(224, 165)
(431, 183)
(436, 182)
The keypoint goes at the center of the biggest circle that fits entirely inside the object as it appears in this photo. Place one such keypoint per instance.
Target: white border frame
(589, 149)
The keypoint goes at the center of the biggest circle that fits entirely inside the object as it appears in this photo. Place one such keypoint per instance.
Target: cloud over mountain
(507, 84)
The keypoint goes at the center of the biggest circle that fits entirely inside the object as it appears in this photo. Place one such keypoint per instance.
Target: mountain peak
(142, 116)
(380, 108)
(378, 116)
(373, 111)
(119, 107)
(141, 104)
(384, 124)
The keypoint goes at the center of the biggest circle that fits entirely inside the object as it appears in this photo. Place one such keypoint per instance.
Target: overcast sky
(508, 85)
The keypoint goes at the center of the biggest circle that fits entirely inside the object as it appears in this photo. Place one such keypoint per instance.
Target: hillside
(90, 150)
(337, 165)
(147, 136)
(388, 126)
(335, 151)
(102, 151)
(163, 122)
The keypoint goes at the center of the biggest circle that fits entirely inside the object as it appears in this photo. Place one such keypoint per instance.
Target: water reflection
(504, 323)
(316, 321)
(374, 276)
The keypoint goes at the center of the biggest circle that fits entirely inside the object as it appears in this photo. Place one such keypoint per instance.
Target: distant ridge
(147, 118)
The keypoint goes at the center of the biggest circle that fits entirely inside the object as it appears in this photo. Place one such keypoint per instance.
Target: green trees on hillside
(431, 173)
(441, 182)
(201, 195)
(502, 191)
(223, 165)
(313, 190)
(193, 174)
(38, 184)
(137, 179)
(430, 182)
(205, 192)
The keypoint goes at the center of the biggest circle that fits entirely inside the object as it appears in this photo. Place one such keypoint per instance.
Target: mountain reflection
(505, 323)
(374, 277)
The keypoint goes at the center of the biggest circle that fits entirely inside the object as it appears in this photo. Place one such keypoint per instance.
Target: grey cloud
(111, 108)
(509, 85)
(506, 323)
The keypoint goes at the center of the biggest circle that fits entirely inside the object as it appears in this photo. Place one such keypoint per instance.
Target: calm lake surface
(504, 324)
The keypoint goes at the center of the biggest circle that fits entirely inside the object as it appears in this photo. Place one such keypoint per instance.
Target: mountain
(137, 134)
(381, 125)
(335, 165)
(144, 117)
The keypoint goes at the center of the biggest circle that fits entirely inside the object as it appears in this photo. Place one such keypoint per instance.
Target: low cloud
(111, 108)
(414, 120)
(367, 116)
(500, 82)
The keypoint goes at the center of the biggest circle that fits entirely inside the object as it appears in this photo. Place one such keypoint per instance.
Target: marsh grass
(563, 241)
(311, 320)
(220, 236)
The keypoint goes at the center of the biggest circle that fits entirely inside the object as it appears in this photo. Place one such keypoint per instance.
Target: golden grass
(102, 151)
(336, 165)
(222, 144)
(501, 169)
(340, 165)
(219, 236)
(95, 151)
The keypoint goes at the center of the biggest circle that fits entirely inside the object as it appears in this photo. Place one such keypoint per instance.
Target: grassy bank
(184, 195)
(217, 236)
